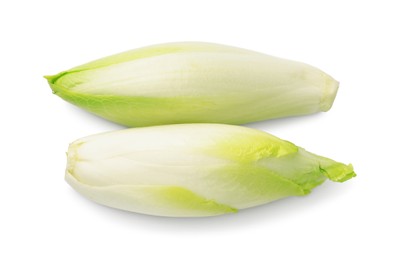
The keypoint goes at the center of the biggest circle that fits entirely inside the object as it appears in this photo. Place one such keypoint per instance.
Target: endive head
(194, 169)
(195, 83)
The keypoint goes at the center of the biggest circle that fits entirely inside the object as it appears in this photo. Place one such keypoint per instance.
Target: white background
(357, 42)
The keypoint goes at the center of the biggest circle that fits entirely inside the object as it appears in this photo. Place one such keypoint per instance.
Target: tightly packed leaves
(195, 83)
(192, 170)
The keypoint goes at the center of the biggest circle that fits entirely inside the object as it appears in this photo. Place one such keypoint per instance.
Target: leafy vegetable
(195, 83)
(194, 170)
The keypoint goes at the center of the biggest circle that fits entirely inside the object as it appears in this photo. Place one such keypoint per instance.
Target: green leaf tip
(51, 79)
(339, 172)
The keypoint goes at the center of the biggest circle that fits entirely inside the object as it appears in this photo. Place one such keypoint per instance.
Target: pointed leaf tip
(340, 172)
